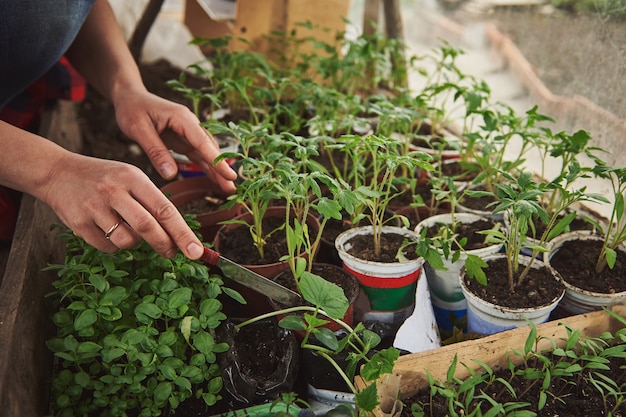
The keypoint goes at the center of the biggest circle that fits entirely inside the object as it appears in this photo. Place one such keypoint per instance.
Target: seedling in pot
(257, 190)
(614, 233)
(375, 162)
(329, 303)
(520, 199)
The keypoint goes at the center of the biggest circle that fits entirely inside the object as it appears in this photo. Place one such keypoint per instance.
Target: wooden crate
(250, 21)
(25, 324)
(494, 350)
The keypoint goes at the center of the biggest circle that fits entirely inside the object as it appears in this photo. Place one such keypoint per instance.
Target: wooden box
(25, 312)
(495, 350)
(250, 21)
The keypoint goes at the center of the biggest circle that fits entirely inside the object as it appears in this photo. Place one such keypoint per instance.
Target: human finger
(120, 235)
(155, 218)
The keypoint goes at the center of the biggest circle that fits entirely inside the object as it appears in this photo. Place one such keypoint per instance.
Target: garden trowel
(251, 279)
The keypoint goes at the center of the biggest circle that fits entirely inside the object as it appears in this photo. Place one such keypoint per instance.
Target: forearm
(27, 161)
(101, 55)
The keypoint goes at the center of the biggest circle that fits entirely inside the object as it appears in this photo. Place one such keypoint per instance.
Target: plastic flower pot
(186, 192)
(447, 297)
(257, 303)
(263, 361)
(390, 287)
(578, 300)
(484, 317)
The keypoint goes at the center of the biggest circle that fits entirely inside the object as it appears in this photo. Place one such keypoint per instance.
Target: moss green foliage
(134, 331)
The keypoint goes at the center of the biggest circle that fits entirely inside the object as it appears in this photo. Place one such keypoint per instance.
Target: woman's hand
(158, 125)
(114, 205)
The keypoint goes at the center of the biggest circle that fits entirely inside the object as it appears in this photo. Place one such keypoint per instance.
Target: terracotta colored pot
(257, 302)
(183, 193)
(348, 283)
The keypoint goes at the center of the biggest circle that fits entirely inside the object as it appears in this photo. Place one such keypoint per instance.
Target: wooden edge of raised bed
(25, 312)
(494, 350)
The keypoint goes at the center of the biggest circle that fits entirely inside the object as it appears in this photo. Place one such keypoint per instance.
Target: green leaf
(110, 354)
(82, 379)
(162, 393)
(210, 306)
(474, 267)
(381, 363)
(235, 295)
(292, 322)
(85, 319)
(146, 312)
(168, 371)
(98, 282)
(193, 373)
(324, 294)
(183, 383)
(164, 351)
(113, 296)
(611, 257)
(204, 342)
(167, 338)
(367, 399)
(88, 347)
(113, 315)
(185, 327)
(179, 297)
(215, 385)
(327, 338)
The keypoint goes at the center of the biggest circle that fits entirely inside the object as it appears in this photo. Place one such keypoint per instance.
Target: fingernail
(194, 250)
(168, 170)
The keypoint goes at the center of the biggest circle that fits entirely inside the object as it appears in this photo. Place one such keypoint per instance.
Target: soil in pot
(407, 197)
(330, 273)
(204, 204)
(459, 170)
(577, 224)
(363, 248)
(574, 399)
(540, 288)
(576, 260)
(333, 228)
(478, 203)
(265, 356)
(475, 240)
(237, 244)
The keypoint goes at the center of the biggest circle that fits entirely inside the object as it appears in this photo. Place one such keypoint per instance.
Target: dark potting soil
(238, 246)
(330, 273)
(572, 399)
(363, 248)
(577, 224)
(576, 262)
(483, 203)
(207, 204)
(260, 355)
(475, 240)
(540, 287)
(459, 171)
(416, 215)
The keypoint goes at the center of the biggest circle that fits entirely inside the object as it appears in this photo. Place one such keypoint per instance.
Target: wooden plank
(25, 325)
(495, 349)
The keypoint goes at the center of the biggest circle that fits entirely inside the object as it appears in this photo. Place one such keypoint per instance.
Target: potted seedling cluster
(333, 139)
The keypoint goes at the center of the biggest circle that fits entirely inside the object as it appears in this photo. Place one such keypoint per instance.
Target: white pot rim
(446, 218)
(342, 246)
(558, 241)
(507, 311)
